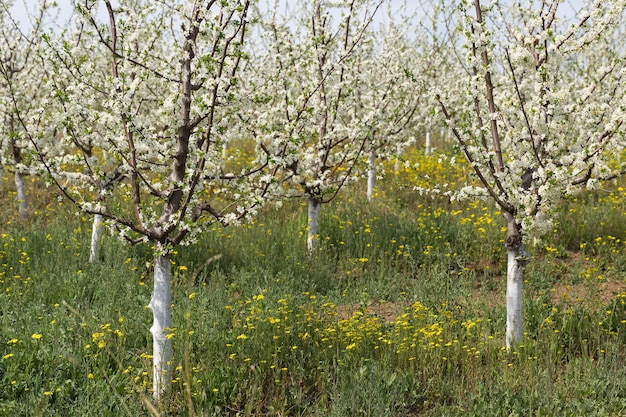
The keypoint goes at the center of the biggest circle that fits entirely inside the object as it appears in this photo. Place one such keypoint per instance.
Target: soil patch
(586, 293)
(386, 311)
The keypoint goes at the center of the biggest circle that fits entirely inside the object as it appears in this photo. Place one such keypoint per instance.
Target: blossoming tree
(538, 110)
(319, 103)
(393, 90)
(20, 89)
(143, 134)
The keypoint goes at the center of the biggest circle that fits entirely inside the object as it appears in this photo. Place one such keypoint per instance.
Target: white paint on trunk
(224, 156)
(161, 306)
(96, 233)
(313, 222)
(371, 177)
(514, 283)
(429, 148)
(21, 195)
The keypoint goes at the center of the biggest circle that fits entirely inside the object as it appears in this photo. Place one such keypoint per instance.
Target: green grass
(399, 313)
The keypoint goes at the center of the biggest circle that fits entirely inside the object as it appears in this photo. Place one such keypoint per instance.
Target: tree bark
(517, 257)
(313, 222)
(96, 233)
(371, 177)
(429, 148)
(21, 195)
(161, 306)
(514, 284)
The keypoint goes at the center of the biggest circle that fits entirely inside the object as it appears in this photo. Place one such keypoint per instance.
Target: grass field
(399, 313)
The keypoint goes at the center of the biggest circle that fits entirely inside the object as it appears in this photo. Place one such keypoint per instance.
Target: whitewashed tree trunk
(161, 306)
(96, 233)
(371, 177)
(313, 222)
(21, 195)
(517, 257)
(514, 284)
(429, 148)
(224, 155)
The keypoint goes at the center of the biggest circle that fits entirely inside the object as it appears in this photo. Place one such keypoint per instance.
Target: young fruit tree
(538, 109)
(20, 91)
(393, 90)
(319, 105)
(143, 133)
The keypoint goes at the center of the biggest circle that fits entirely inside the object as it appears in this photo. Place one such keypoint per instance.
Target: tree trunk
(429, 148)
(96, 233)
(21, 195)
(313, 222)
(224, 156)
(371, 177)
(517, 258)
(161, 306)
(514, 284)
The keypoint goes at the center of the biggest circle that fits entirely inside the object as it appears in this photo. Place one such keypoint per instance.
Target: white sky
(22, 8)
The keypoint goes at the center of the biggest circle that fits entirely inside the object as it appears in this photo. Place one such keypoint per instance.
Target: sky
(22, 8)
